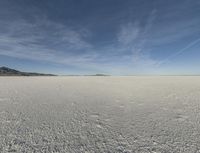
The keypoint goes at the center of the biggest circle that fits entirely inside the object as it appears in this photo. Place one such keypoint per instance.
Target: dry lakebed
(88, 114)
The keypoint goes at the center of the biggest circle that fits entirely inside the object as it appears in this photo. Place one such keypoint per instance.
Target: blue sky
(119, 37)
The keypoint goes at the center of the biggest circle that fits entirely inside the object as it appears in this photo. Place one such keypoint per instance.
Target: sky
(116, 37)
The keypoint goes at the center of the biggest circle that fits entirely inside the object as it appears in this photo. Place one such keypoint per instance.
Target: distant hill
(98, 75)
(5, 71)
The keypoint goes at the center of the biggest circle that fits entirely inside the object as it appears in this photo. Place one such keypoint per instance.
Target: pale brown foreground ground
(100, 114)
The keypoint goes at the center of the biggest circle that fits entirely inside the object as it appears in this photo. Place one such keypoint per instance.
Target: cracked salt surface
(100, 114)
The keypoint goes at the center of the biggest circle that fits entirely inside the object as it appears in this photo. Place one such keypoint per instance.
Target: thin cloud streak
(181, 51)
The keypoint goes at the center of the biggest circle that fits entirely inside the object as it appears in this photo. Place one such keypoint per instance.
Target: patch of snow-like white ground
(100, 114)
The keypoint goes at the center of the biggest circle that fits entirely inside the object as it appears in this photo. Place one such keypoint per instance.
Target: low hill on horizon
(5, 71)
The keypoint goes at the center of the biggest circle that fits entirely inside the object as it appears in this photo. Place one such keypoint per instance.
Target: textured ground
(100, 114)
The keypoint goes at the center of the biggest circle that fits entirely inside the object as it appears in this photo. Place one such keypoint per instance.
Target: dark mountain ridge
(5, 71)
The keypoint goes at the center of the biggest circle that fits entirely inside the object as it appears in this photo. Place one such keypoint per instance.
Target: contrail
(180, 51)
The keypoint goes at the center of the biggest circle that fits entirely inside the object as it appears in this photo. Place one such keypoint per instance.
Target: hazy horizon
(114, 37)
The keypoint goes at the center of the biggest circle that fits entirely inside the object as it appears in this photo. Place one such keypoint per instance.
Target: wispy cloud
(128, 33)
(133, 37)
(45, 40)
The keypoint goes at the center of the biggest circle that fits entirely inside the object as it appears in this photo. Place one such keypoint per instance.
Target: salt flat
(154, 114)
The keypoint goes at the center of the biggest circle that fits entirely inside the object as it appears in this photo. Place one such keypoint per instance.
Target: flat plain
(141, 114)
